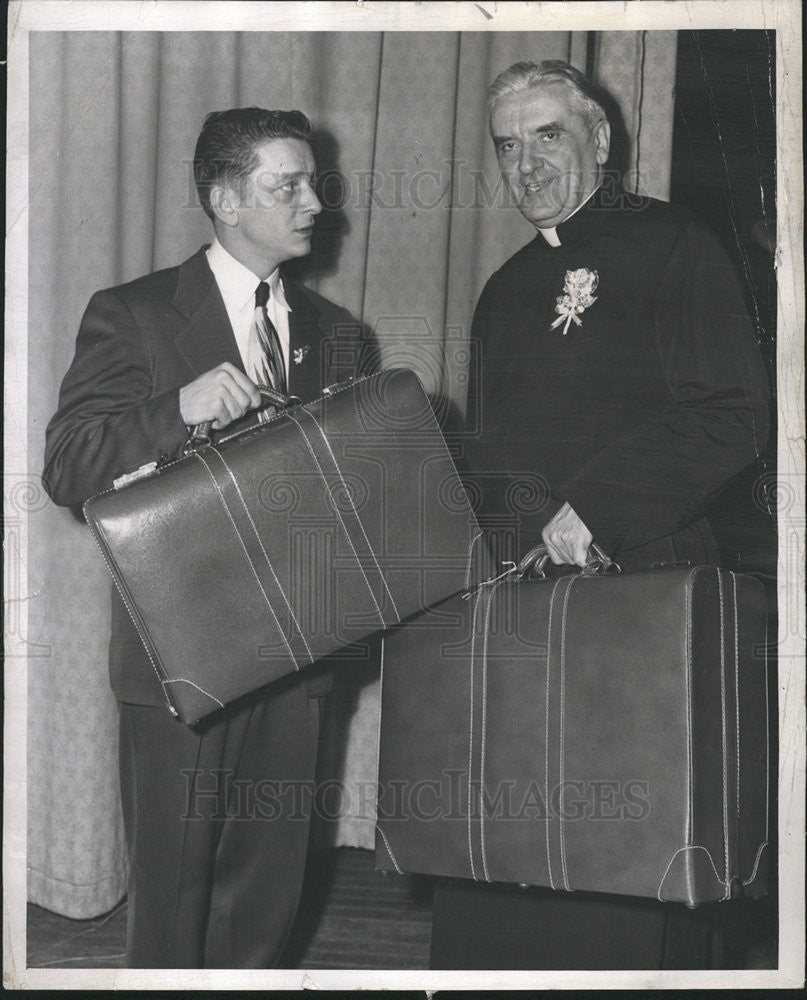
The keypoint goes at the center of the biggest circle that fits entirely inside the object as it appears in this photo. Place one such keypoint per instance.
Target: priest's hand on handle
(221, 395)
(566, 538)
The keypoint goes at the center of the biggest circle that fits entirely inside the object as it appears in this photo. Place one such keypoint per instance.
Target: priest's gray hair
(584, 96)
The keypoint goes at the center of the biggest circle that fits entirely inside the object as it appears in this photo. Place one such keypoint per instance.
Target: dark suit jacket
(638, 415)
(138, 344)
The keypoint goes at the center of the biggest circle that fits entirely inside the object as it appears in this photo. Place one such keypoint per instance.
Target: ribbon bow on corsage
(578, 289)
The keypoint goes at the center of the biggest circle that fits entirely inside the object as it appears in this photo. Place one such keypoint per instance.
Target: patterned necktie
(270, 368)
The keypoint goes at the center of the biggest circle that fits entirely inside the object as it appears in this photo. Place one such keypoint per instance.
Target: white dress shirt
(237, 285)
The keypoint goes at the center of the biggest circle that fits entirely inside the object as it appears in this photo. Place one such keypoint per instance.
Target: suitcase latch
(330, 389)
(132, 477)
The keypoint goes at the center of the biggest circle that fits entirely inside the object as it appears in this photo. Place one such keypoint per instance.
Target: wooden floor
(350, 917)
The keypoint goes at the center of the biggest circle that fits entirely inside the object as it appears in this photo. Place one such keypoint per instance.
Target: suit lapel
(206, 339)
(306, 343)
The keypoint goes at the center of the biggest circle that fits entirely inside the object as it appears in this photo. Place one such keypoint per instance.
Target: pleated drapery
(417, 220)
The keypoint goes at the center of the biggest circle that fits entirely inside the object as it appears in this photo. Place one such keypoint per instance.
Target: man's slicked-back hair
(584, 96)
(227, 148)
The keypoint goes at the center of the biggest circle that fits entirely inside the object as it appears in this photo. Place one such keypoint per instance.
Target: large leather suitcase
(250, 558)
(604, 733)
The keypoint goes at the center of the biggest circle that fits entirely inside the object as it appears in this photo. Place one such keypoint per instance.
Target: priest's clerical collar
(551, 234)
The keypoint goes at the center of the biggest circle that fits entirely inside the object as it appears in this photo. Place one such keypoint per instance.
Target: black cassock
(637, 415)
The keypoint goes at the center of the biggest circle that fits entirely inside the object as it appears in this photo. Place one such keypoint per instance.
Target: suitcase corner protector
(691, 878)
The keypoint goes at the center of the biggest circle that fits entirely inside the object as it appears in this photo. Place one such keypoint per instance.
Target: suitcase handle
(535, 561)
(200, 435)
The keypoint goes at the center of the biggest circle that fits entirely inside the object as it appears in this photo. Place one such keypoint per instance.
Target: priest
(619, 369)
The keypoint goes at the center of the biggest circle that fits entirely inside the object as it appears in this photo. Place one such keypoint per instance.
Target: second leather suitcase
(599, 733)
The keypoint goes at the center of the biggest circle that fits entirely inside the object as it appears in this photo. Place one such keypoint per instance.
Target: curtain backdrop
(417, 221)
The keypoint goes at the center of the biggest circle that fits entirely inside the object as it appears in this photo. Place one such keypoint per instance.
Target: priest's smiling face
(549, 153)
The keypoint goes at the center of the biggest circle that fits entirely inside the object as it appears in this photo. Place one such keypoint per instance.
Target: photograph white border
(783, 16)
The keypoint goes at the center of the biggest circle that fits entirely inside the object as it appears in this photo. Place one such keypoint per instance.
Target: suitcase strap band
(258, 561)
(354, 532)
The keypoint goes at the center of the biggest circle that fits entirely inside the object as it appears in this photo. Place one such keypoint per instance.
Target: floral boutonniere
(300, 354)
(578, 295)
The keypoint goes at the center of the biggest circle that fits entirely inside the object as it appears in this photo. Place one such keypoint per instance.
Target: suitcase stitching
(474, 540)
(687, 671)
(471, 729)
(389, 850)
(723, 731)
(184, 680)
(687, 676)
(249, 560)
(737, 859)
(764, 843)
(263, 550)
(128, 605)
(546, 757)
(339, 517)
(689, 847)
(561, 770)
(358, 519)
(378, 735)
(757, 859)
(484, 730)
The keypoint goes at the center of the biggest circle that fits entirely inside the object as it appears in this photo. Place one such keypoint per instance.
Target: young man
(153, 358)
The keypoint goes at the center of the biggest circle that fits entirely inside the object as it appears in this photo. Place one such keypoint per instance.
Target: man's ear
(224, 203)
(602, 137)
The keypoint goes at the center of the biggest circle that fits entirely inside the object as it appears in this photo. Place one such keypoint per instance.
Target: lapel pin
(300, 354)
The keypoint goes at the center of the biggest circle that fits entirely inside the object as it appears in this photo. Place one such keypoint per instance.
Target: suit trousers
(217, 819)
